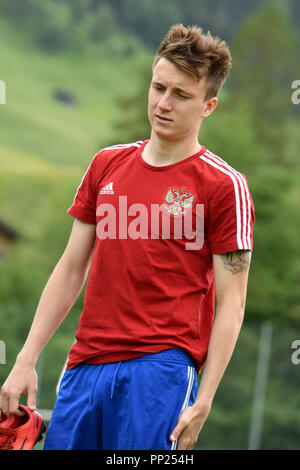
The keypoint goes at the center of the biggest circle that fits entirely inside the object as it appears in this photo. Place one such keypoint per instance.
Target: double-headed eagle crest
(178, 201)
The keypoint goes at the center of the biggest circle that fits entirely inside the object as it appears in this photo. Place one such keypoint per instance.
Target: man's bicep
(231, 275)
(235, 261)
(80, 246)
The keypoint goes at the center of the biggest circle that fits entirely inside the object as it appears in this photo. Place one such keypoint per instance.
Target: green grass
(34, 122)
(46, 146)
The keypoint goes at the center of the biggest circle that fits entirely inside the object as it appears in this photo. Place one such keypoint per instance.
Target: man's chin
(165, 134)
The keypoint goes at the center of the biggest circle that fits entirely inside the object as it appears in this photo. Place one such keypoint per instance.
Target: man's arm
(58, 297)
(231, 278)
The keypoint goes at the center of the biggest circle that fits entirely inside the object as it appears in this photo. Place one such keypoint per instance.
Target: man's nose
(165, 102)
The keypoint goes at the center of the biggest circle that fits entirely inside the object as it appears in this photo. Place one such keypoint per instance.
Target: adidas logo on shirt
(108, 189)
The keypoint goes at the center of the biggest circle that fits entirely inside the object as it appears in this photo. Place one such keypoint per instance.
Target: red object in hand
(21, 432)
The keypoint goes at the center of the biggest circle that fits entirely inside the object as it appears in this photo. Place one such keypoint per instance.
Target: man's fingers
(177, 430)
(31, 400)
(185, 442)
(10, 403)
(14, 404)
(19, 382)
(187, 429)
(4, 403)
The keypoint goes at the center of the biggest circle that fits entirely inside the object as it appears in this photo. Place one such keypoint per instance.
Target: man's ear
(210, 106)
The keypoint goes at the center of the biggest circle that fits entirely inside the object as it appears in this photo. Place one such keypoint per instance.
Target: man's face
(176, 104)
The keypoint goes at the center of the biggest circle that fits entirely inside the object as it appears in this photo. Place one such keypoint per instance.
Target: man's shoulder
(120, 148)
(106, 156)
(224, 183)
(218, 171)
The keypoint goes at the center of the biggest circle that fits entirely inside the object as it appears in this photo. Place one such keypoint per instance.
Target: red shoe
(22, 432)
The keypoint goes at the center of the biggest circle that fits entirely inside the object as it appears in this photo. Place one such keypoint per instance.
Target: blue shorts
(128, 405)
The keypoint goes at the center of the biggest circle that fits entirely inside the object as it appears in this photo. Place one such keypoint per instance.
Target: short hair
(198, 55)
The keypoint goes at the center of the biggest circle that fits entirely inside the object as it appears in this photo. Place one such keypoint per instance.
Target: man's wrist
(26, 358)
(202, 404)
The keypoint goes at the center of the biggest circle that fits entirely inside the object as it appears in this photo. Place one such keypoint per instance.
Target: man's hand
(189, 425)
(21, 380)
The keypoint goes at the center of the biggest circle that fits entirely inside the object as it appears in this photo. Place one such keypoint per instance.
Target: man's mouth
(162, 119)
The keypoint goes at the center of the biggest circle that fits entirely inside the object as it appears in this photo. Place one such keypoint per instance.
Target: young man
(165, 227)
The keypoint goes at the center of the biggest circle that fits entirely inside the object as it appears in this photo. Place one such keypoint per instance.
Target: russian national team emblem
(177, 201)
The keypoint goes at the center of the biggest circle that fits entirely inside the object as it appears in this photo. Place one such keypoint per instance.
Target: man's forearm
(58, 297)
(225, 331)
(224, 335)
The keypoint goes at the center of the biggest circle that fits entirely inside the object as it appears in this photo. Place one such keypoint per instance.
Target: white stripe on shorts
(191, 374)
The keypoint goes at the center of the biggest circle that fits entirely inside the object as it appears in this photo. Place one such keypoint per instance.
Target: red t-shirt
(151, 283)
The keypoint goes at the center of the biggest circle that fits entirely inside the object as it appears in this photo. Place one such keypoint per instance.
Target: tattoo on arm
(236, 261)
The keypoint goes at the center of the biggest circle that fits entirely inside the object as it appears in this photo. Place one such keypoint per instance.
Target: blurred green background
(77, 74)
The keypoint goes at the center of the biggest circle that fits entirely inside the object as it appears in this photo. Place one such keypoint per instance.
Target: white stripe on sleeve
(242, 207)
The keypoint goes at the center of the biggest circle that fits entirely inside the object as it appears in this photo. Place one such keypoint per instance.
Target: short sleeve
(84, 203)
(231, 216)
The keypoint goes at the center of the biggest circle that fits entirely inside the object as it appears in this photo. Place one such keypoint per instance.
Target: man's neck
(160, 152)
